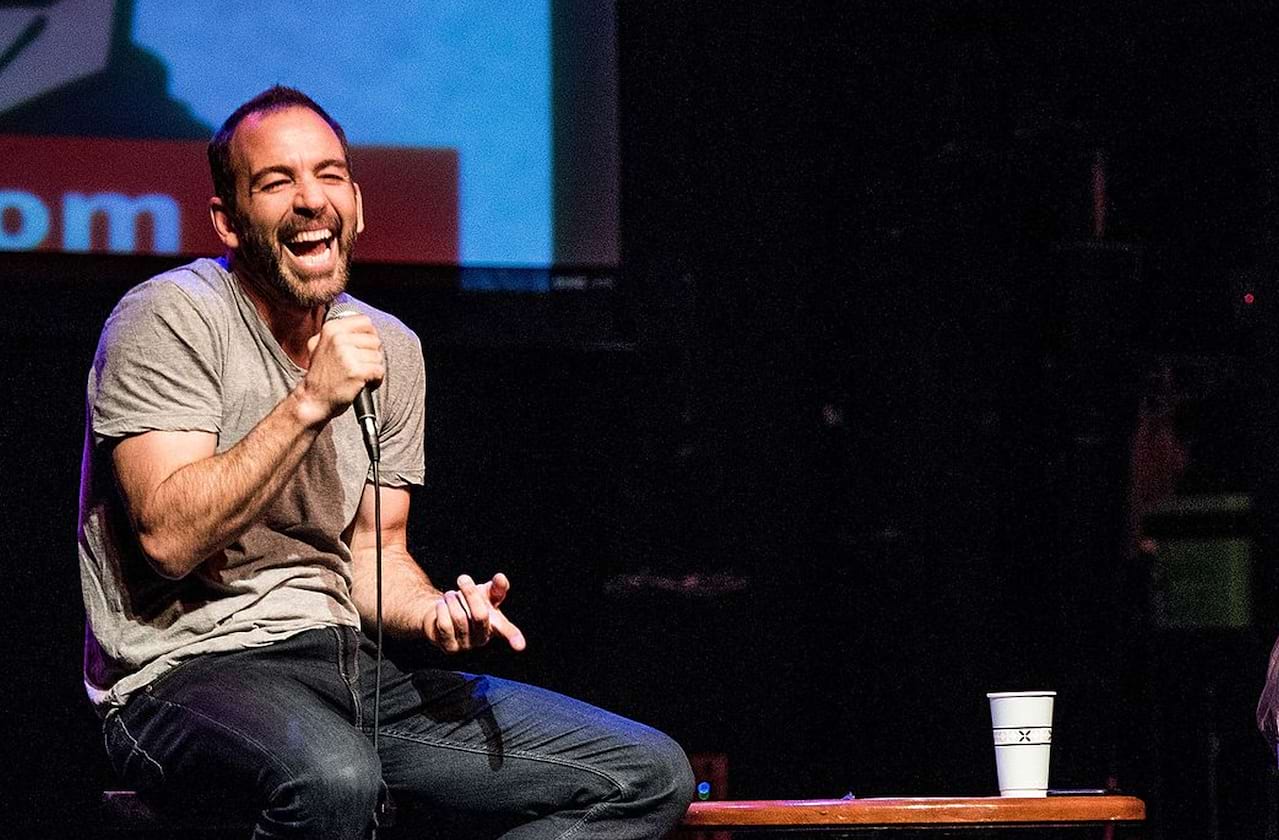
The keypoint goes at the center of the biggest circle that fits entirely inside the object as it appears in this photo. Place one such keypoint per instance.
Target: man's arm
(412, 606)
(187, 503)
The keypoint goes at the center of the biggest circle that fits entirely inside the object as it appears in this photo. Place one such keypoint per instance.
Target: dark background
(848, 445)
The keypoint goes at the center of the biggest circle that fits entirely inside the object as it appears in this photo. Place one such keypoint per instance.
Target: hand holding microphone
(346, 365)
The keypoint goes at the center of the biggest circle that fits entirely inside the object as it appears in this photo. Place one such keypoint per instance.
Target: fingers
(498, 587)
(467, 617)
(507, 630)
(459, 619)
(346, 355)
(456, 623)
(477, 606)
(441, 631)
(350, 321)
(354, 342)
(451, 630)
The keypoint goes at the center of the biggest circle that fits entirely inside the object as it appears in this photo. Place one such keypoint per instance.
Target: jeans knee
(667, 781)
(335, 798)
(351, 785)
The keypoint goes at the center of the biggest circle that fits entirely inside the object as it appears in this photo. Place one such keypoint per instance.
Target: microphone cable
(377, 526)
(386, 809)
(366, 418)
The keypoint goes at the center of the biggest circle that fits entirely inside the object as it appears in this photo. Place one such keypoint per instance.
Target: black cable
(377, 678)
(377, 528)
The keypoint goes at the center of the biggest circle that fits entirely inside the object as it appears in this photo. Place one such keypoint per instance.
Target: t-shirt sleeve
(403, 414)
(157, 367)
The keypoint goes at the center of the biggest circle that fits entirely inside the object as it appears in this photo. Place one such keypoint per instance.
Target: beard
(262, 249)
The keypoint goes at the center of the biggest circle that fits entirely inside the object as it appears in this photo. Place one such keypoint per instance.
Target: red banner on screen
(152, 197)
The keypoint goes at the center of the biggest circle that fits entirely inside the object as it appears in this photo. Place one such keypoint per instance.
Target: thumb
(499, 586)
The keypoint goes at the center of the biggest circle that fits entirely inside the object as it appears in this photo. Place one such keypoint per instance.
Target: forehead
(295, 137)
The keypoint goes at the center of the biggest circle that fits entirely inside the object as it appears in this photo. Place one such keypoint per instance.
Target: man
(227, 545)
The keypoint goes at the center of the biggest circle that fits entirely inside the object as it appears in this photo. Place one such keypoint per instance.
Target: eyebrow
(278, 169)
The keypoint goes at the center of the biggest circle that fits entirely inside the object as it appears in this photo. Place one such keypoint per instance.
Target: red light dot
(1249, 298)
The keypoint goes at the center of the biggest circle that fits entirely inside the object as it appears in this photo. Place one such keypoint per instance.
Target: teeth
(312, 235)
(315, 259)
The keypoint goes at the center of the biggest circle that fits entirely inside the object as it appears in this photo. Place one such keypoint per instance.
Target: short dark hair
(274, 98)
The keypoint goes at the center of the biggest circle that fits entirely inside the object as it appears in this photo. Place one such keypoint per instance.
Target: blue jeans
(288, 729)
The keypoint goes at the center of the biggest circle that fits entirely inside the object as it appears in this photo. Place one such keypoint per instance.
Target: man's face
(297, 210)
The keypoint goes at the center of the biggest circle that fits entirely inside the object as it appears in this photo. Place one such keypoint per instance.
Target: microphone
(365, 413)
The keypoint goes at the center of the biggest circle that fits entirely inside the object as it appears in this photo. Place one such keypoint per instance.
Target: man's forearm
(205, 505)
(408, 596)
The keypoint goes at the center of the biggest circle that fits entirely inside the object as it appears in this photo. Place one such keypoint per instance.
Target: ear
(223, 224)
(359, 209)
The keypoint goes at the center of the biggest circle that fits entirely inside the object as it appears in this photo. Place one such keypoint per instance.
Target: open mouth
(312, 248)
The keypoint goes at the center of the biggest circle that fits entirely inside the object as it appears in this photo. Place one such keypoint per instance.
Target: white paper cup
(1022, 722)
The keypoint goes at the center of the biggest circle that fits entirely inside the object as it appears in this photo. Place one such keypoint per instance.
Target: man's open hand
(467, 617)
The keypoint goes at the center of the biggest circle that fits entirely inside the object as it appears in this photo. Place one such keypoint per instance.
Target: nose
(308, 197)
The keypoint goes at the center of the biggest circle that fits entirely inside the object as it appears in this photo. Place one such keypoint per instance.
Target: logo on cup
(1013, 736)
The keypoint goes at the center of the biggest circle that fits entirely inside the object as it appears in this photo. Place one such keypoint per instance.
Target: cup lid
(997, 694)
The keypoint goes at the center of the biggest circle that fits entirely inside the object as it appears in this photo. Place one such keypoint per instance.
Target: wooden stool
(916, 813)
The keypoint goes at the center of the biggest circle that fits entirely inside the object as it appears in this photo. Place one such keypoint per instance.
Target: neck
(290, 323)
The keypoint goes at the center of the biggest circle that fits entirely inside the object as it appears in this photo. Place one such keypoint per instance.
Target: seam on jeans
(271, 756)
(106, 739)
(351, 688)
(137, 747)
(531, 756)
(580, 824)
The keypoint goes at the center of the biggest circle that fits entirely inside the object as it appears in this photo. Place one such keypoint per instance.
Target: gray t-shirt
(187, 351)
